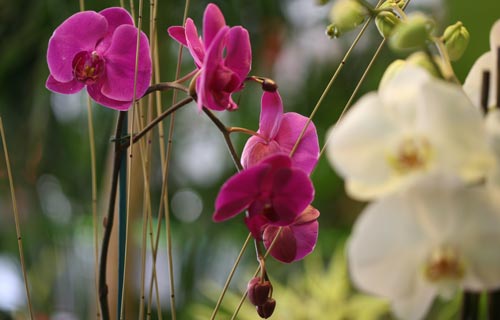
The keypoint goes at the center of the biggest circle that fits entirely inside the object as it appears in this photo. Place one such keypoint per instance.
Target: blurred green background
(48, 142)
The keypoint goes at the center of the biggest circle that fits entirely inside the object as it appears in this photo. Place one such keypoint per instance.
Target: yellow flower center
(411, 154)
(444, 265)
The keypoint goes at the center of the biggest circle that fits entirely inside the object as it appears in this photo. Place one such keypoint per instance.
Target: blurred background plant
(48, 144)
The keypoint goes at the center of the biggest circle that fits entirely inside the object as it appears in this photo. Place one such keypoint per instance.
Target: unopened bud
(456, 38)
(332, 31)
(386, 21)
(266, 310)
(412, 33)
(258, 291)
(347, 15)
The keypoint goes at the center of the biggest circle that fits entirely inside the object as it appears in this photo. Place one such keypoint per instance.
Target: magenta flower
(223, 55)
(273, 191)
(98, 50)
(278, 133)
(296, 240)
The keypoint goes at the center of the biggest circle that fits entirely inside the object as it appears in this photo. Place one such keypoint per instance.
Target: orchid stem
(157, 120)
(164, 86)
(225, 132)
(108, 221)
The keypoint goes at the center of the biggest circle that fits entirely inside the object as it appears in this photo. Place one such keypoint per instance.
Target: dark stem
(108, 222)
(498, 78)
(470, 306)
(152, 124)
(494, 304)
(164, 86)
(485, 88)
(225, 132)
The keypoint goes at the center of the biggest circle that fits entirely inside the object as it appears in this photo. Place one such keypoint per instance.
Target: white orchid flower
(486, 62)
(430, 241)
(415, 125)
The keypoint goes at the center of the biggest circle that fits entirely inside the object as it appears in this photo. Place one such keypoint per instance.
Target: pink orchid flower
(273, 191)
(220, 74)
(98, 50)
(278, 133)
(296, 240)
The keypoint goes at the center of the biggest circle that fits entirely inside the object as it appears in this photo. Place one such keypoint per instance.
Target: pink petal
(256, 150)
(239, 52)
(194, 43)
(308, 215)
(294, 242)
(178, 33)
(118, 81)
(213, 22)
(116, 17)
(307, 153)
(80, 32)
(292, 193)
(270, 114)
(238, 192)
(72, 86)
(256, 224)
(95, 93)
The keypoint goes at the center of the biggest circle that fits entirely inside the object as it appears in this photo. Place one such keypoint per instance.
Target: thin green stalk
(331, 82)
(16, 220)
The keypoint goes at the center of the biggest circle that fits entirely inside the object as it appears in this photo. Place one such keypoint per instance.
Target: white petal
(495, 36)
(386, 249)
(417, 305)
(356, 145)
(399, 95)
(492, 122)
(455, 128)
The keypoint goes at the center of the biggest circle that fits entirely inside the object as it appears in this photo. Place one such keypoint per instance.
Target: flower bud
(456, 38)
(347, 15)
(412, 33)
(332, 31)
(391, 71)
(266, 310)
(386, 21)
(258, 291)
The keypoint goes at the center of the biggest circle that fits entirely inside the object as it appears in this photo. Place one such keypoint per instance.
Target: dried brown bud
(258, 291)
(267, 309)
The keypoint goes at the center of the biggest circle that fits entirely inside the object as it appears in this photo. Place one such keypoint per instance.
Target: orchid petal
(69, 87)
(356, 148)
(270, 114)
(455, 127)
(116, 17)
(294, 241)
(306, 154)
(239, 52)
(95, 93)
(120, 65)
(256, 149)
(292, 193)
(213, 22)
(238, 192)
(194, 43)
(178, 33)
(80, 32)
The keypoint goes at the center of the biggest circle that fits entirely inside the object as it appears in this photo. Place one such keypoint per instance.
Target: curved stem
(157, 120)
(244, 130)
(164, 86)
(108, 221)
(225, 133)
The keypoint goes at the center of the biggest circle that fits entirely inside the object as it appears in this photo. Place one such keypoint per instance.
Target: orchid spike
(98, 50)
(278, 133)
(223, 56)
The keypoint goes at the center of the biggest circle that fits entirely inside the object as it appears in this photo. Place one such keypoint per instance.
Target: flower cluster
(423, 153)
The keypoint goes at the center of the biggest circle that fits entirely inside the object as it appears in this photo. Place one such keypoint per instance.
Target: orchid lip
(88, 67)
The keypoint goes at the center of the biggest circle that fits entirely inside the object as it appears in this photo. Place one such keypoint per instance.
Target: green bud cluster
(346, 15)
